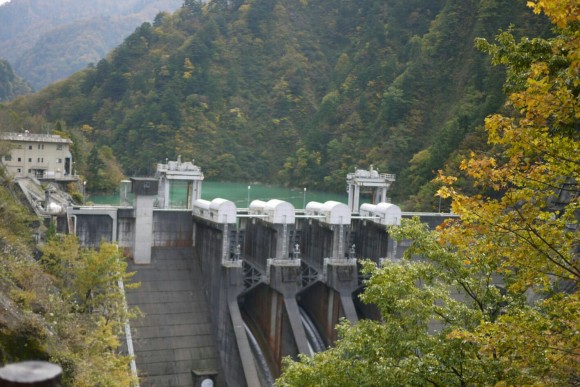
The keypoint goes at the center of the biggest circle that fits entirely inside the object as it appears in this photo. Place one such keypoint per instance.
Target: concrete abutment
(225, 291)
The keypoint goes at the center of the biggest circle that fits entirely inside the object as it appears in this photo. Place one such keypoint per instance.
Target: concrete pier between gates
(225, 292)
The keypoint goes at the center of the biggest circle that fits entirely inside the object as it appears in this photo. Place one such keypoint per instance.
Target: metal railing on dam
(251, 266)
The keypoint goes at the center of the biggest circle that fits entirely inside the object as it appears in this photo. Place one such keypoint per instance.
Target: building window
(30, 147)
(59, 161)
(59, 147)
(19, 170)
(30, 159)
(8, 158)
(38, 160)
(20, 159)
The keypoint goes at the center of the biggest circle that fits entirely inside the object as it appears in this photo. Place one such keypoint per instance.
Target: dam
(227, 292)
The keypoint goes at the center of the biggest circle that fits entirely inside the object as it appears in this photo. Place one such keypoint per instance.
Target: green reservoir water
(237, 193)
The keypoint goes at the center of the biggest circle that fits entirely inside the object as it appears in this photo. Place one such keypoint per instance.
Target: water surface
(239, 193)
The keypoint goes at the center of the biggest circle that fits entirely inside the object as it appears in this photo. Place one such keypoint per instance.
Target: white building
(43, 156)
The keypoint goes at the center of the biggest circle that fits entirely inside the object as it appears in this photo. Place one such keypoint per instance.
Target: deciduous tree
(501, 282)
(92, 311)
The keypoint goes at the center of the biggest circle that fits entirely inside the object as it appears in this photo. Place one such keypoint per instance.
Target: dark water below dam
(237, 193)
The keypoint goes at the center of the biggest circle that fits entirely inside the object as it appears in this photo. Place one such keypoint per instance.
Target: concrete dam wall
(227, 293)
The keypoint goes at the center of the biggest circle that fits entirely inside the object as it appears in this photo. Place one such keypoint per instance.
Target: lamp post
(84, 192)
(249, 188)
(304, 199)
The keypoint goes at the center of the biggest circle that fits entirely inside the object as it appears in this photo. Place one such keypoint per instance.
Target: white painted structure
(145, 190)
(367, 181)
(44, 156)
(273, 211)
(386, 214)
(330, 212)
(218, 210)
(178, 171)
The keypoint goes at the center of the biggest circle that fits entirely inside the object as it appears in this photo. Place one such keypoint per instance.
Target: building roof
(33, 137)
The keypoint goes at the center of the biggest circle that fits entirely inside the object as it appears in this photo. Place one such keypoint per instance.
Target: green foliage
(490, 298)
(292, 92)
(86, 276)
(527, 219)
(65, 308)
(519, 56)
(103, 173)
(194, 6)
(11, 85)
(14, 219)
(436, 306)
(15, 346)
(421, 303)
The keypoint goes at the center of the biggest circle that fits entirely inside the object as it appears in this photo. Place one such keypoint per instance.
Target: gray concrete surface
(175, 335)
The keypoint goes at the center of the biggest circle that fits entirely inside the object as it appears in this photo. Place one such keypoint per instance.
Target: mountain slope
(11, 85)
(48, 40)
(294, 91)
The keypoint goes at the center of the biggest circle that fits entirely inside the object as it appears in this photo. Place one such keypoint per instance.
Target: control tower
(178, 171)
(363, 181)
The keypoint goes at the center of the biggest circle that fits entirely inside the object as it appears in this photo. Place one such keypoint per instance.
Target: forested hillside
(64, 307)
(46, 41)
(498, 301)
(11, 85)
(299, 92)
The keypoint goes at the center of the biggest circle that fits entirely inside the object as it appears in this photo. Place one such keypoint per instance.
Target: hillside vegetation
(46, 41)
(11, 85)
(63, 306)
(295, 92)
(489, 298)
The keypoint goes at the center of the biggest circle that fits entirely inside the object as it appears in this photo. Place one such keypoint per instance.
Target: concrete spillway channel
(175, 335)
(211, 269)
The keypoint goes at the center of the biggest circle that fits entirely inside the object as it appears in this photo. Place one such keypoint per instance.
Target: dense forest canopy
(302, 92)
(490, 298)
(11, 85)
(290, 91)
